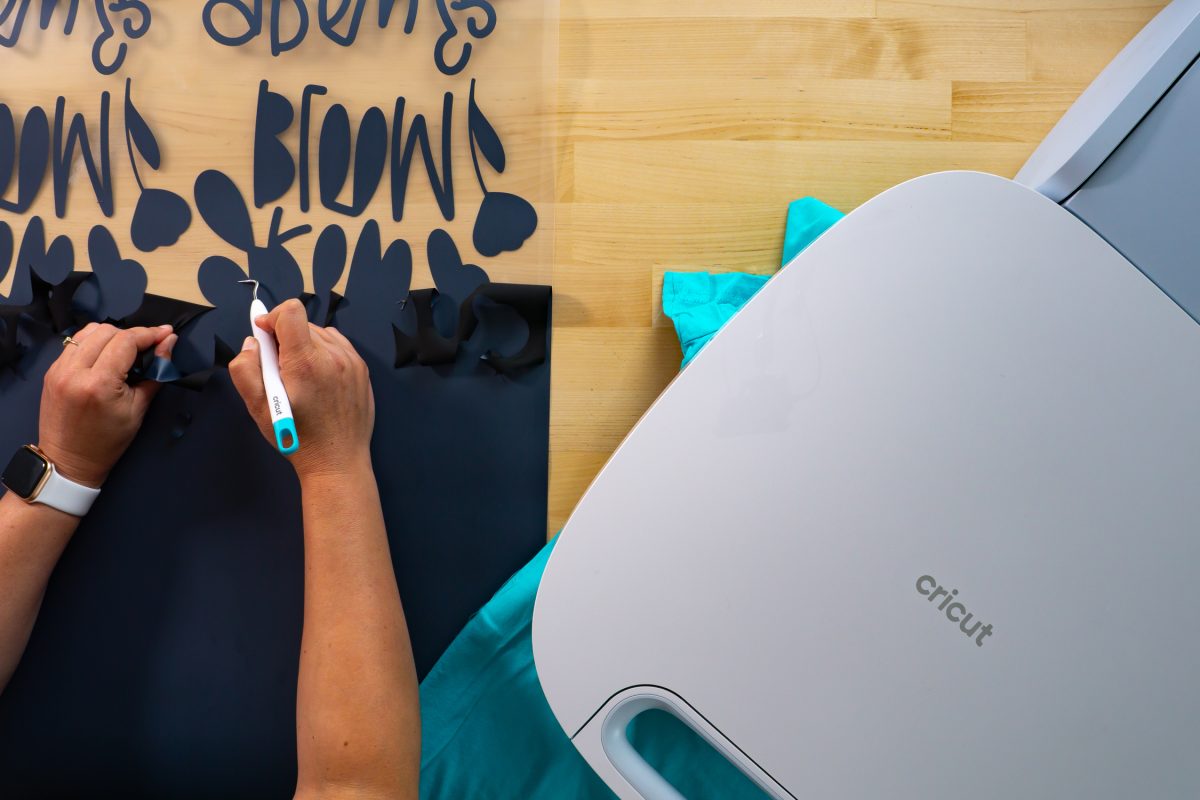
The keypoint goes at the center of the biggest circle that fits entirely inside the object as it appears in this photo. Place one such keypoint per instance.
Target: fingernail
(165, 328)
(249, 344)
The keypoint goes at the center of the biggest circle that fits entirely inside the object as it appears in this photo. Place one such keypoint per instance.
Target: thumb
(246, 372)
(145, 391)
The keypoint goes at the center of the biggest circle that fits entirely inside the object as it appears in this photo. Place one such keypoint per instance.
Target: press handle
(606, 746)
(624, 756)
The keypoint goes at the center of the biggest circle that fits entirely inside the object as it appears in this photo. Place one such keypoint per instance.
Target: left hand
(89, 413)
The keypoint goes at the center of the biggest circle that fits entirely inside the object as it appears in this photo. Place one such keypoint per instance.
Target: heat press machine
(922, 521)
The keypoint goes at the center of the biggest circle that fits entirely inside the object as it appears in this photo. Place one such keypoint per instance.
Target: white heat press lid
(958, 389)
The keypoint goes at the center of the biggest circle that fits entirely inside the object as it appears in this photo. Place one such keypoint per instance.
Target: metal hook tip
(255, 286)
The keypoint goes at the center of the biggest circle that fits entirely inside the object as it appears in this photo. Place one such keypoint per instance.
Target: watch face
(24, 472)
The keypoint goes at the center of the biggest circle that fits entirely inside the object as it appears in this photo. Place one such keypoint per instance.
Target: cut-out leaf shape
(139, 131)
(379, 279)
(223, 209)
(328, 264)
(388, 271)
(504, 223)
(159, 219)
(215, 334)
(59, 261)
(452, 277)
(329, 259)
(121, 281)
(274, 266)
(8, 147)
(52, 265)
(484, 135)
(218, 280)
(378, 282)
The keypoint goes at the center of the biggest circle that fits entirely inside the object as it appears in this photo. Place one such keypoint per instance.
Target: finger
(167, 347)
(79, 338)
(288, 322)
(122, 349)
(321, 335)
(90, 348)
(246, 372)
(142, 394)
(85, 332)
(71, 351)
(341, 339)
(145, 391)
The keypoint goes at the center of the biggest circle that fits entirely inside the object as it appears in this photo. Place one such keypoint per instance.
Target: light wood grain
(679, 131)
(687, 126)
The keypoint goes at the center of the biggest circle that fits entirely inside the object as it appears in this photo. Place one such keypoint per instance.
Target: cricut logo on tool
(928, 586)
(278, 407)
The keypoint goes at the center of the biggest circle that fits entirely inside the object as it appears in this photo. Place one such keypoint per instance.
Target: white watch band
(66, 495)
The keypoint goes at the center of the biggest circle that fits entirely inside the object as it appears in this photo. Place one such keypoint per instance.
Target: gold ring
(69, 340)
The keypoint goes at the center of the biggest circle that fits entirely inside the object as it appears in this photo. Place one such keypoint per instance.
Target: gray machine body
(1125, 158)
(1145, 198)
(958, 385)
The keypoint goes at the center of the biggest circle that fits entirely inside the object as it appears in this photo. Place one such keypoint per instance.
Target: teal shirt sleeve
(808, 218)
(700, 303)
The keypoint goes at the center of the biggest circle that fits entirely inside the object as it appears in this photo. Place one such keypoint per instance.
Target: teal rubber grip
(286, 438)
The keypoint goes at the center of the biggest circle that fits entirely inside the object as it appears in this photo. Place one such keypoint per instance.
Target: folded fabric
(487, 730)
(700, 303)
(807, 219)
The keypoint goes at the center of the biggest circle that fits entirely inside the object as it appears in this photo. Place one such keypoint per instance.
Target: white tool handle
(278, 404)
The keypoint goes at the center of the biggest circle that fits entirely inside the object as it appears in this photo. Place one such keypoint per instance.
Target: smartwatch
(31, 476)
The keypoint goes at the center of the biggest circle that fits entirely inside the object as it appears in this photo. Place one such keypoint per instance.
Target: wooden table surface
(686, 127)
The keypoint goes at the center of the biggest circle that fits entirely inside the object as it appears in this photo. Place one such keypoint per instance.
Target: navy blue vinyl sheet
(164, 661)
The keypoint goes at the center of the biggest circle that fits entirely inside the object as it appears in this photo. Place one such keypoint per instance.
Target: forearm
(357, 708)
(32, 538)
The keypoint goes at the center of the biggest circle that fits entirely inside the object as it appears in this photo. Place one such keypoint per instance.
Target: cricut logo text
(955, 611)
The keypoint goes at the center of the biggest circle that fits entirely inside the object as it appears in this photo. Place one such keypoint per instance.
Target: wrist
(37, 514)
(71, 468)
(328, 470)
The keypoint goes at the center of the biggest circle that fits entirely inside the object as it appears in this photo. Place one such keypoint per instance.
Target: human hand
(327, 383)
(89, 414)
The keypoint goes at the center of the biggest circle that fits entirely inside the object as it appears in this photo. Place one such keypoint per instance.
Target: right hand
(327, 383)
